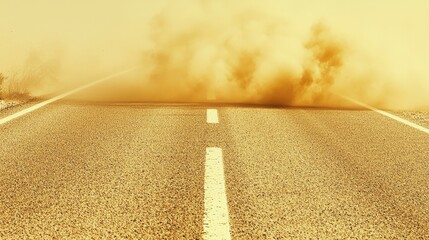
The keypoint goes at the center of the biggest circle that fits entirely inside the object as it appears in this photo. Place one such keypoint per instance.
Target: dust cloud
(293, 53)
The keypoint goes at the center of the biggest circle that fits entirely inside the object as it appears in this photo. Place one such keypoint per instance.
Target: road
(137, 171)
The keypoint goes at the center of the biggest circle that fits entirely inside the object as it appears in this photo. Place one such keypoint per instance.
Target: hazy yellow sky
(398, 24)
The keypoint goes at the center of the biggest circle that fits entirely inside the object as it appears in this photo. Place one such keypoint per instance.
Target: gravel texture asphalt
(136, 171)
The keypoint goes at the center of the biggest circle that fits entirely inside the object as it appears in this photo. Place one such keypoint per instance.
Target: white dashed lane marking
(212, 116)
(216, 217)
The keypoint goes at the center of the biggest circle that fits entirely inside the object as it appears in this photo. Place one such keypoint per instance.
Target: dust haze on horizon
(294, 53)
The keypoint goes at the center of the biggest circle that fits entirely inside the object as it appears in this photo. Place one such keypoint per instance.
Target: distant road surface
(193, 171)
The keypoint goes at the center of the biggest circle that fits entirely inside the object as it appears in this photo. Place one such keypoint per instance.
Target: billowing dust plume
(241, 56)
(294, 53)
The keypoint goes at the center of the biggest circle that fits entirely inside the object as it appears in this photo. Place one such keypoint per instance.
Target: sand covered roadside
(419, 117)
(5, 104)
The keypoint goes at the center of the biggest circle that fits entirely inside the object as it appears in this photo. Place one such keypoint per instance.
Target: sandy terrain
(418, 117)
(4, 104)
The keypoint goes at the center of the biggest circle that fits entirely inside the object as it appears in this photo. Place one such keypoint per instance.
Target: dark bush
(2, 79)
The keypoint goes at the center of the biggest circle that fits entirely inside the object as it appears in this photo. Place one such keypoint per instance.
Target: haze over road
(72, 170)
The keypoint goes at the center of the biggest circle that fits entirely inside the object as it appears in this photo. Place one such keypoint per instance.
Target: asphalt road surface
(143, 171)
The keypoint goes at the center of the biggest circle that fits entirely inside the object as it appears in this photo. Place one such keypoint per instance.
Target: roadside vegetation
(11, 94)
(20, 83)
(14, 86)
(2, 79)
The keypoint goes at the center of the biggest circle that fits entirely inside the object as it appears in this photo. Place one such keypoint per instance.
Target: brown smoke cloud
(244, 55)
(294, 53)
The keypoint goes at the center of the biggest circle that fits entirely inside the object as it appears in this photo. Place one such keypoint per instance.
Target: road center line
(59, 97)
(212, 116)
(389, 115)
(216, 217)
